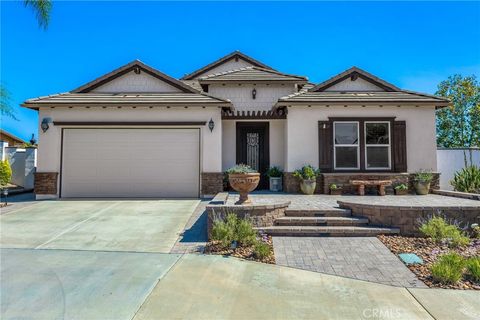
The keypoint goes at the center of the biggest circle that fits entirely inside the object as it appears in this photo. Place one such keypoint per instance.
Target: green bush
(423, 176)
(5, 172)
(473, 267)
(241, 168)
(448, 269)
(467, 180)
(233, 229)
(307, 172)
(401, 186)
(274, 172)
(261, 250)
(439, 230)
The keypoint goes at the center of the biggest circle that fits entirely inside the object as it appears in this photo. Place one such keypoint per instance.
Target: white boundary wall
(450, 161)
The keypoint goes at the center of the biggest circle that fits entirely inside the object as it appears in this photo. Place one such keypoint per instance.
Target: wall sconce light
(45, 125)
(254, 93)
(211, 124)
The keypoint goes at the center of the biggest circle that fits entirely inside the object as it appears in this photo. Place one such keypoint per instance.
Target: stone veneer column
(211, 183)
(46, 183)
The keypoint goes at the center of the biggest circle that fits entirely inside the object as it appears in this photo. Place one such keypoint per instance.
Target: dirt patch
(243, 252)
(429, 251)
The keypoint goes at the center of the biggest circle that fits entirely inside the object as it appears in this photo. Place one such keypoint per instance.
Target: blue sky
(414, 45)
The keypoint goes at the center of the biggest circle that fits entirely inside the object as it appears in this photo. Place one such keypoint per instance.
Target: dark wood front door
(253, 148)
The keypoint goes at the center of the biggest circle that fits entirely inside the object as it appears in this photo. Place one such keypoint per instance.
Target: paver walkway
(358, 258)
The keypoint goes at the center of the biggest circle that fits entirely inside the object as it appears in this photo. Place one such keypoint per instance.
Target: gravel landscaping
(429, 251)
(243, 252)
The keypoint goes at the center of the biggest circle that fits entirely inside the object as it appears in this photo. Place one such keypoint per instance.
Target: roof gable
(234, 56)
(133, 68)
(249, 74)
(345, 82)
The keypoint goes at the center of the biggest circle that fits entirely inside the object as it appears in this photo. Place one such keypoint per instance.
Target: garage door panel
(130, 163)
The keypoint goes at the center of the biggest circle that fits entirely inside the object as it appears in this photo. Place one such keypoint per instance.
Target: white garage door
(130, 163)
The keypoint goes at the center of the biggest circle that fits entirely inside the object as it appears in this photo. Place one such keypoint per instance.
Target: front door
(253, 148)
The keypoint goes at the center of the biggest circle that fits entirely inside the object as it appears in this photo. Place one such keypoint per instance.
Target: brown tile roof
(234, 55)
(249, 74)
(11, 136)
(126, 99)
(136, 64)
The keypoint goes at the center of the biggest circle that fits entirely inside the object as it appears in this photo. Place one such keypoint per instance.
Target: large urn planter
(308, 186)
(244, 183)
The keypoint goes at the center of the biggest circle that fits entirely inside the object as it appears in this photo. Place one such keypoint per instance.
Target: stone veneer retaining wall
(46, 182)
(408, 219)
(211, 183)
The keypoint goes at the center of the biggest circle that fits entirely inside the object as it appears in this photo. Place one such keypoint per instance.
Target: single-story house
(137, 132)
(10, 139)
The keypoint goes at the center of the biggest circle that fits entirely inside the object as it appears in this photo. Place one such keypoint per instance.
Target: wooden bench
(379, 183)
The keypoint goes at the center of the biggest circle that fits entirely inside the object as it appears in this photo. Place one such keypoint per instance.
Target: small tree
(459, 125)
(5, 172)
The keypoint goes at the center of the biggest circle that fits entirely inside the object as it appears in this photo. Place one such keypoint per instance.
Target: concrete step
(320, 221)
(327, 231)
(318, 213)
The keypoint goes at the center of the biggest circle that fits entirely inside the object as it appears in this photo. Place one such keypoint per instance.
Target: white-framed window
(378, 144)
(346, 145)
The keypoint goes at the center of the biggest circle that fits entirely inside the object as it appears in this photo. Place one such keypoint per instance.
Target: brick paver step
(320, 221)
(325, 231)
(318, 212)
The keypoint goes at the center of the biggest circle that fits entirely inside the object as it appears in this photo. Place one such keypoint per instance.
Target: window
(377, 145)
(346, 145)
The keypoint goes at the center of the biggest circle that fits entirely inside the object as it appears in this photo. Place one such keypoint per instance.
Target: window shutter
(400, 146)
(325, 145)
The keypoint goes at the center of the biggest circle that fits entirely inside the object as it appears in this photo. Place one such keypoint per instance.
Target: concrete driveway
(130, 225)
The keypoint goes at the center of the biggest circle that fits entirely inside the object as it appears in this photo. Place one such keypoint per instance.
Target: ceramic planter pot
(308, 186)
(244, 183)
(422, 187)
(336, 192)
(276, 184)
(401, 192)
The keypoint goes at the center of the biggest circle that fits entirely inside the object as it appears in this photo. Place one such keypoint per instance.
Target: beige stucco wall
(276, 139)
(302, 128)
(132, 82)
(358, 85)
(50, 142)
(241, 94)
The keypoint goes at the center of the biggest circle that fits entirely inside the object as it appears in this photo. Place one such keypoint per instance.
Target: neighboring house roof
(377, 97)
(11, 136)
(234, 55)
(355, 72)
(251, 74)
(132, 66)
(126, 99)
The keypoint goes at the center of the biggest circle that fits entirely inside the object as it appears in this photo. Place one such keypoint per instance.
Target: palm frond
(42, 10)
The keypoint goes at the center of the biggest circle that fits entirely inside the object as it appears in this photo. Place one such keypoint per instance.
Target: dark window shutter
(400, 146)
(325, 146)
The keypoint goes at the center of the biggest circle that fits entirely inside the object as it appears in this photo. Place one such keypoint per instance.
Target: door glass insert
(253, 150)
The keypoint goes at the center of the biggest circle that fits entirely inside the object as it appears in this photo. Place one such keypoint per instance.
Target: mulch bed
(429, 251)
(214, 247)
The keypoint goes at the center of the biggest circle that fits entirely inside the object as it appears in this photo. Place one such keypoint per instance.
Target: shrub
(307, 172)
(423, 176)
(241, 168)
(473, 267)
(274, 172)
(5, 172)
(439, 230)
(401, 186)
(467, 180)
(233, 229)
(333, 186)
(448, 269)
(261, 250)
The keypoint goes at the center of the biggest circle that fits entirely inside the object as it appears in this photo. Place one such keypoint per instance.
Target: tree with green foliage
(459, 124)
(5, 172)
(42, 9)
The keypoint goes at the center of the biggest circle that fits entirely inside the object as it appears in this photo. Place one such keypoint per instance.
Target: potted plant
(243, 179)
(335, 190)
(422, 181)
(308, 178)
(401, 189)
(275, 176)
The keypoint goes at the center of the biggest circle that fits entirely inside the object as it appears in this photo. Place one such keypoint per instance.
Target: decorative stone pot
(336, 192)
(244, 183)
(276, 184)
(422, 187)
(401, 192)
(308, 186)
